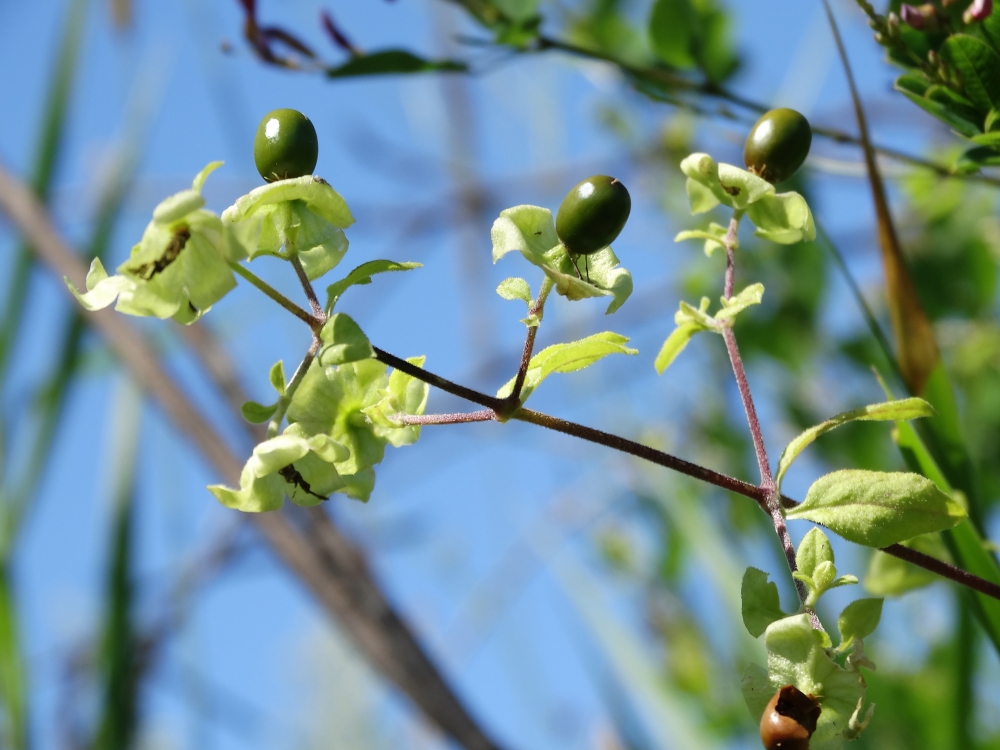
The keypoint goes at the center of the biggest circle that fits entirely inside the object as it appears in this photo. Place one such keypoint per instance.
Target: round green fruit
(777, 145)
(285, 145)
(592, 214)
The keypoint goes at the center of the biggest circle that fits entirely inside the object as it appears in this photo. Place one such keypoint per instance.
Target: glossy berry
(285, 145)
(789, 720)
(592, 214)
(777, 145)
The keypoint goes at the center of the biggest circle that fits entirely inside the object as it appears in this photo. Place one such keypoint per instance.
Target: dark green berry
(592, 214)
(777, 145)
(285, 145)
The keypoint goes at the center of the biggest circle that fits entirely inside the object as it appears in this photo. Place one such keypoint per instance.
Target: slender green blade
(13, 678)
(47, 156)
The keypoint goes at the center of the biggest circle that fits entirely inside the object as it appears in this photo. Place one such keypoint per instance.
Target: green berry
(777, 145)
(592, 214)
(285, 145)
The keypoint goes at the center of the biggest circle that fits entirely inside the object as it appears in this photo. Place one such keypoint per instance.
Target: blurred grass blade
(47, 155)
(13, 679)
(119, 655)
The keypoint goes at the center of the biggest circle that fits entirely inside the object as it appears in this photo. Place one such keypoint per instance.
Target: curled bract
(303, 216)
(180, 267)
(784, 218)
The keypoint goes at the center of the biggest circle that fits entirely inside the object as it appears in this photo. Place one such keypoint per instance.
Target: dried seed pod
(789, 720)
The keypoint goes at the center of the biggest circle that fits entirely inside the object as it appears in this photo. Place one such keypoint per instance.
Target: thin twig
(275, 295)
(317, 309)
(536, 310)
(484, 415)
(293, 385)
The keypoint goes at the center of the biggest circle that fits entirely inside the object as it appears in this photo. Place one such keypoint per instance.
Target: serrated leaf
(393, 61)
(568, 357)
(858, 621)
(797, 656)
(733, 306)
(813, 549)
(363, 275)
(515, 288)
(784, 218)
(908, 408)
(277, 377)
(876, 508)
(345, 341)
(257, 413)
(979, 66)
(761, 605)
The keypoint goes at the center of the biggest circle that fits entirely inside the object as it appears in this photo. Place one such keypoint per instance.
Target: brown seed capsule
(789, 720)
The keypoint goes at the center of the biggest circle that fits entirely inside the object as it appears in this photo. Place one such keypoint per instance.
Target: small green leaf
(784, 218)
(761, 605)
(568, 357)
(858, 621)
(673, 32)
(710, 184)
(957, 121)
(733, 306)
(979, 67)
(813, 549)
(277, 377)
(974, 158)
(345, 341)
(877, 509)
(515, 288)
(257, 413)
(363, 275)
(674, 345)
(889, 576)
(403, 395)
(714, 237)
(907, 408)
(386, 62)
(988, 139)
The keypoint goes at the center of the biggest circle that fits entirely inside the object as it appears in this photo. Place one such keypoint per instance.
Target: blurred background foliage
(645, 647)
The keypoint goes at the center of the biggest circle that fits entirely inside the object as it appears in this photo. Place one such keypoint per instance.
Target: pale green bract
(339, 424)
(784, 218)
(760, 604)
(180, 267)
(568, 357)
(302, 216)
(876, 509)
(691, 320)
(531, 231)
(363, 275)
(816, 568)
(797, 655)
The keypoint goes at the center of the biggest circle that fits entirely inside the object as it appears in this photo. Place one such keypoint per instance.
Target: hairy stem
(772, 498)
(317, 309)
(484, 415)
(536, 309)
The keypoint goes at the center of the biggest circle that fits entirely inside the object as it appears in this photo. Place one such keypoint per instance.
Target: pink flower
(978, 11)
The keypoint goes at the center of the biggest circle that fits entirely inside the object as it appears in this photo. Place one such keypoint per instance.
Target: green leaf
(531, 231)
(889, 576)
(515, 288)
(713, 236)
(945, 114)
(568, 357)
(988, 139)
(975, 158)
(13, 675)
(979, 66)
(761, 605)
(858, 621)
(403, 395)
(689, 321)
(813, 550)
(733, 306)
(257, 413)
(390, 61)
(363, 275)
(877, 509)
(277, 377)
(345, 341)
(784, 218)
(797, 656)
(909, 408)
(725, 184)
(673, 32)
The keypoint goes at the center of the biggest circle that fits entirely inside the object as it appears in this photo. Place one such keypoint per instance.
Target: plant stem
(536, 309)
(484, 415)
(624, 445)
(275, 295)
(317, 309)
(286, 399)
(772, 498)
